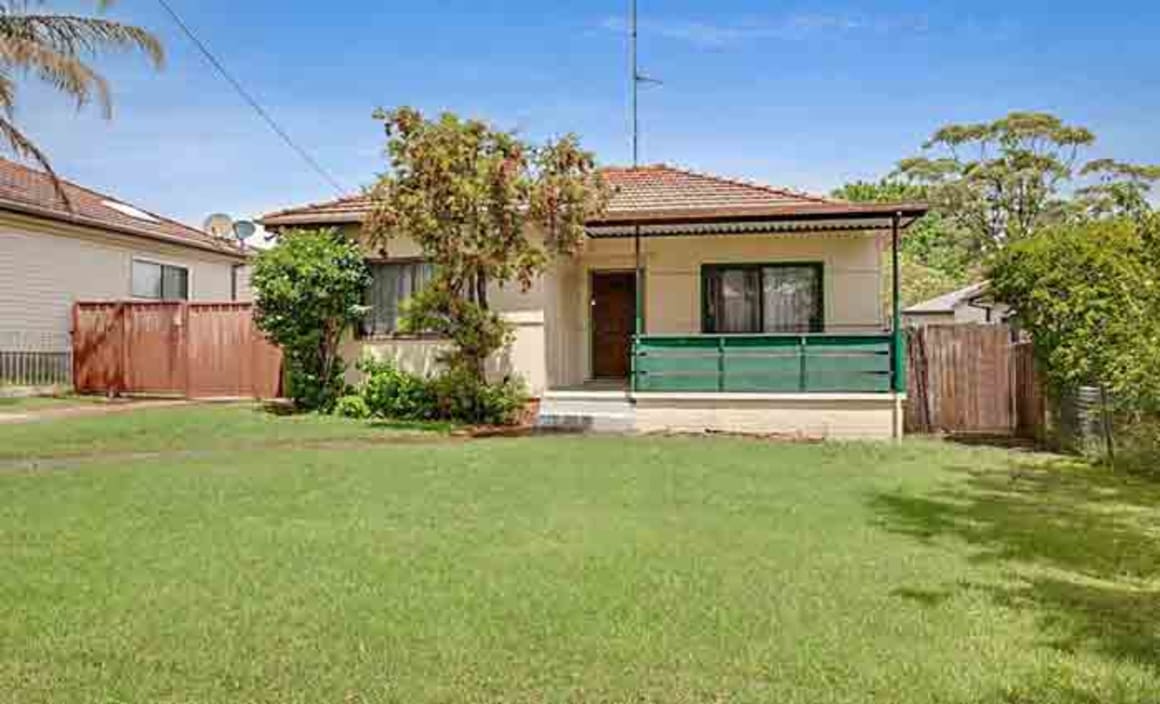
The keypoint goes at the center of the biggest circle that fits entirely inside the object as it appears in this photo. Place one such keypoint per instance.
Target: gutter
(81, 221)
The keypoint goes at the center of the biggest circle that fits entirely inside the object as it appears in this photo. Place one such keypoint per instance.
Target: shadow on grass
(1082, 541)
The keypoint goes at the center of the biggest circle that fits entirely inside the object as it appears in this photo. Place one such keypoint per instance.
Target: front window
(392, 284)
(767, 298)
(160, 282)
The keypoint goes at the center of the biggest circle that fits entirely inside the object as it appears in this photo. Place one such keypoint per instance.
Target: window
(762, 298)
(160, 282)
(392, 283)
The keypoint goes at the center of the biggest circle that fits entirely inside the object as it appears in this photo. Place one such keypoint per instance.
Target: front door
(613, 321)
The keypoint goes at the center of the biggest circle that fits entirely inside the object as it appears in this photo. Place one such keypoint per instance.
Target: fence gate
(197, 350)
(972, 379)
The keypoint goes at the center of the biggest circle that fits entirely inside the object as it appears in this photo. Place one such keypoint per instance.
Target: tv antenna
(638, 79)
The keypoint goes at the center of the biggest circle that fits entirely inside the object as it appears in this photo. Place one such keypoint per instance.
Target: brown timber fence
(196, 350)
(973, 379)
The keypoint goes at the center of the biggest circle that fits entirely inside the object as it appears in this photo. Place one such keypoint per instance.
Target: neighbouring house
(96, 247)
(972, 304)
(759, 310)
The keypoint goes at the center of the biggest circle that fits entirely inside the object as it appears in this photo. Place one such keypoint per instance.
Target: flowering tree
(487, 208)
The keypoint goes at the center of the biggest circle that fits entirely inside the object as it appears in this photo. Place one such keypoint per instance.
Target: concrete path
(86, 409)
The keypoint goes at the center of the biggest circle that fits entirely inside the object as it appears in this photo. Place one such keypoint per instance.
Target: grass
(188, 430)
(24, 404)
(261, 559)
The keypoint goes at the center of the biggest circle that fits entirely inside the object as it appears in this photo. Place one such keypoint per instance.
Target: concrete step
(586, 411)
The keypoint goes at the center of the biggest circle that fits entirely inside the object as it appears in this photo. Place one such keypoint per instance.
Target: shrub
(461, 396)
(309, 290)
(390, 392)
(352, 406)
(455, 395)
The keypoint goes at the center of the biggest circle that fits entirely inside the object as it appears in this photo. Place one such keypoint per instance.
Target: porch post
(897, 341)
(638, 327)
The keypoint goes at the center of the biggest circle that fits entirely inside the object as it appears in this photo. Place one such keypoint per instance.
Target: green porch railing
(778, 363)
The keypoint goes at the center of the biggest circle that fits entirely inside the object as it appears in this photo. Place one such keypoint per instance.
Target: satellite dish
(219, 225)
(244, 230)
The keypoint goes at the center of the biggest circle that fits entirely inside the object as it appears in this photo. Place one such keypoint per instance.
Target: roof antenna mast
(638, 79)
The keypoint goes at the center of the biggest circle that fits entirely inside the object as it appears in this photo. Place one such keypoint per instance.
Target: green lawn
(222, 555)
(25, 404)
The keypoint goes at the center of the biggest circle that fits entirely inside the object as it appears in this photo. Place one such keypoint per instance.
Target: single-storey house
(971, 304)
(696, 303)
(95, 247)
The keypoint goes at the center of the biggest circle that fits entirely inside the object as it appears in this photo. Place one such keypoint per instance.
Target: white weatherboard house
(95, 247)
(971, 304)
(696, 303)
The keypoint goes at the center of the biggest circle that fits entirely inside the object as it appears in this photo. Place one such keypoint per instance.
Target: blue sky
(807, 95)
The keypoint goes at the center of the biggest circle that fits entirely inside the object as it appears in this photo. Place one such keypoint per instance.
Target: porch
(752, 319)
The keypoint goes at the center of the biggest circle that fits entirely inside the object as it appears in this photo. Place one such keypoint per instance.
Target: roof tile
(30, 191)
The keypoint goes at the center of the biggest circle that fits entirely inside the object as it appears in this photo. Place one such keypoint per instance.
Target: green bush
(462, 397)
(455, 395)
(390, 392)
(352, 406)
(308, 293)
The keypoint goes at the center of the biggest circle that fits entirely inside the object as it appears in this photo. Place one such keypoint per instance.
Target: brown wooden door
(613, 320)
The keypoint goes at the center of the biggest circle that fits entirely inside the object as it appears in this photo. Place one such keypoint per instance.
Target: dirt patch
(87, 409)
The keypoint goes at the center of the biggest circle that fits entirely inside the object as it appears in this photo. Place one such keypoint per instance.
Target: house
(95, 248)
(972, 304)
(696, 303)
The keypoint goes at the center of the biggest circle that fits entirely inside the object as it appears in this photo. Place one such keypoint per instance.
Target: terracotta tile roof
(343, 210)
(657, 192)
(661, 187)
(30, 192)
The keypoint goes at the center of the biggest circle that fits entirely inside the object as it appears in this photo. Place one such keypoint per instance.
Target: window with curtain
(392, 284)
(762, 298)
(160, 282)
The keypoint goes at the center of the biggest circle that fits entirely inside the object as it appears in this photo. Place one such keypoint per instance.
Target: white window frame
(163, 264)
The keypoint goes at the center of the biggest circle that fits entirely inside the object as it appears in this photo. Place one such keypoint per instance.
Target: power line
(253, 103)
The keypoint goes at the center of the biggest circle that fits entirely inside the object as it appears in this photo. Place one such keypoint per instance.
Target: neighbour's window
(392, 284)
(765, 298)
(160, 282)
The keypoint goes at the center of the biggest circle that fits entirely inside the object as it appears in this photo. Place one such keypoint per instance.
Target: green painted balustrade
(778, 363)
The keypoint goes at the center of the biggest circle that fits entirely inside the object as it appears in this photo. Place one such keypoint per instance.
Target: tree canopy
(1089, 295)
(990, 184)
(487, 208)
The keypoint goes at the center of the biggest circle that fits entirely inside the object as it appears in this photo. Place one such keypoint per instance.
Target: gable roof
(30, 192)
(947, 302)
(657, 193)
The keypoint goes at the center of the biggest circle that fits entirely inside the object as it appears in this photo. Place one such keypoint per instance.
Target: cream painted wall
(854, 417)
(552, 347)
(45, 267)
(526, 357)
(851, 280)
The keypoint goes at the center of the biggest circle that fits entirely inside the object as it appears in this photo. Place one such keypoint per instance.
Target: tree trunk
(481, 289)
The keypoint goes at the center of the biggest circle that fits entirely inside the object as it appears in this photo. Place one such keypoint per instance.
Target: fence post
(720, 363)
(802, 363)
(72, 344)
(122, 320)
(186, 356)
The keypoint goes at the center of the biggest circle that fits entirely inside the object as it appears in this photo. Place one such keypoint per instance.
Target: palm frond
(64, 72)
(7, 94)
(22, 146)
(53, 47)
(77, 36)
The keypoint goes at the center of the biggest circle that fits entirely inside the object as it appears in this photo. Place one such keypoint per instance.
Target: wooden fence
(196, 350)
(972, 379)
